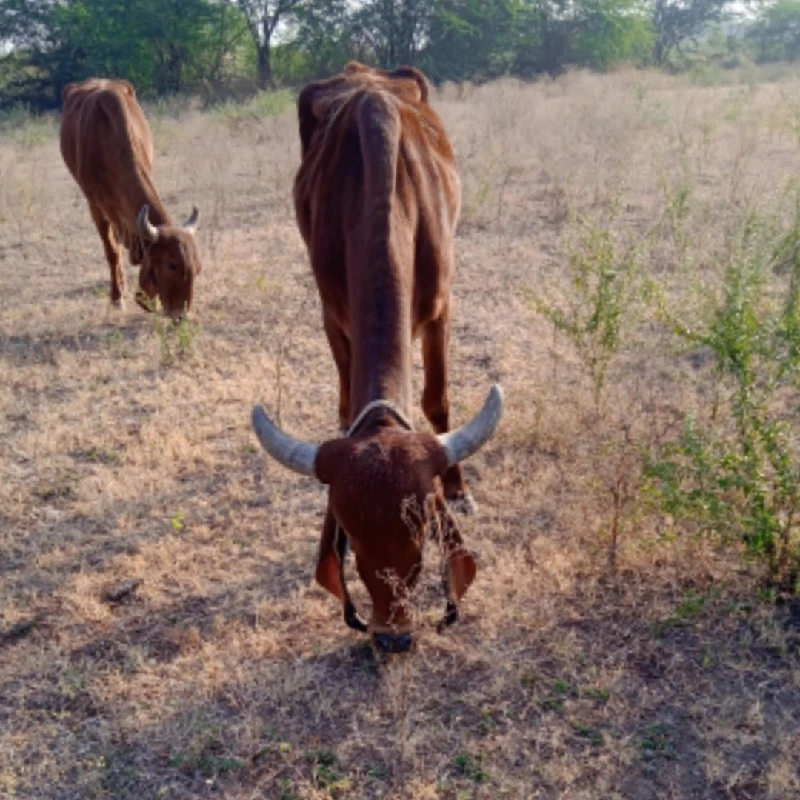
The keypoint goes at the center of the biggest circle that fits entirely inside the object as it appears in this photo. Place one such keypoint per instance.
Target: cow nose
(393, 642)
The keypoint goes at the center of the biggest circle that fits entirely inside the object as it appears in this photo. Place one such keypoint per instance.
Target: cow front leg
(436, 406)
(340, 347)
(113, 251)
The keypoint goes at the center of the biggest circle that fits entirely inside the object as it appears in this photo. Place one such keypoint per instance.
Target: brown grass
(127, 453)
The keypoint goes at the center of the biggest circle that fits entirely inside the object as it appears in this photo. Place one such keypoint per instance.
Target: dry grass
(127, 453)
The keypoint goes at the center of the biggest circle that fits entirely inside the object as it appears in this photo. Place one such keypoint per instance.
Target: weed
(471, 767)
(263, 105)
(101, 455)
(176, 339)
(554, 701)
(691, 606)
(597, 694)
(606, 286)
(287, 791)
(176, 521)
(735, 476)
(592, 735)
(657, 743)
(323, 768)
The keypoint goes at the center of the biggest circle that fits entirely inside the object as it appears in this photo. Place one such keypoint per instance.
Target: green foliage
(606, 286)
(471, 767)
(776, 33)
(261, 106)
(615, 31)
(735, 474)
(657, 742)
(677, 22)
(161, 46)
(165, 46)
(471, 39)
(176, 339)
(593, 33)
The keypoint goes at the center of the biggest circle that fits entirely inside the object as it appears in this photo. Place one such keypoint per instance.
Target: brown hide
(107, 146)
(377, 200)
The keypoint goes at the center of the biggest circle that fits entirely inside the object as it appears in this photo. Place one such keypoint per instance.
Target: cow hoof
(353, 619)
(463, 503)
(393, 642)
(118, 305)
(450, 617)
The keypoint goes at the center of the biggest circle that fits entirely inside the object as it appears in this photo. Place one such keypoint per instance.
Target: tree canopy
(166, 46)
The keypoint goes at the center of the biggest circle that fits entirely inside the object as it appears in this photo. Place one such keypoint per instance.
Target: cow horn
(191, 224)
(292, 453)
(146, 228)
(469, 438)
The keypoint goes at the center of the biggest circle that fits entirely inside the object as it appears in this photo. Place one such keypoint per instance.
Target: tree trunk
(265, 65)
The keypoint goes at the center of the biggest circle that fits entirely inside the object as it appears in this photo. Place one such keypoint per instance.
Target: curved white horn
(292, 453)
(469, 438)
(191, 224)
(146, 228)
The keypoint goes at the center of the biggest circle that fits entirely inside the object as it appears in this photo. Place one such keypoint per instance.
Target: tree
(677, 21)
(590, 33)
(324, 40)
(391, 32)
(263, 18)
(777, 31)
(159, 45)
(469, 38)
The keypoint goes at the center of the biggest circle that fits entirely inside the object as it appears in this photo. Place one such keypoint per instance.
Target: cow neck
(149, 194)
(383, 405)
(381, 330)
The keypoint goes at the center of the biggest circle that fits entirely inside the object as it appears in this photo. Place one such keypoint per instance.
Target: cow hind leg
(113, 252)
(340, 347)
(436, 405)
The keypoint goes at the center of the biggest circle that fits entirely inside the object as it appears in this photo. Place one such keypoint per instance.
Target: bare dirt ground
(126, 454)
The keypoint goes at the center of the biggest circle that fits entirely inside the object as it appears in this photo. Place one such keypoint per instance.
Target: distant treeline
(228, 47)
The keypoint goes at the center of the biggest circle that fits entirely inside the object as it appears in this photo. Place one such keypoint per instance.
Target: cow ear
(459, 567)
(67, 91)
(355, 66)
(415, 75)
(328, 572)
(462, 570)
(305, 113)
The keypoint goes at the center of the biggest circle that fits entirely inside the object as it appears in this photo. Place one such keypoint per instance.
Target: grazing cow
(107, 146)
(377, 199)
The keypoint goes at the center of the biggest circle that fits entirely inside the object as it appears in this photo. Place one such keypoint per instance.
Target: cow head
(317, 101)
(170, 263)
(384, 493)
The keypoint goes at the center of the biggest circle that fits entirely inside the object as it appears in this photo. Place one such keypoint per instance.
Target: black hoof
(353, 619)
(393, 642)
(450, 616)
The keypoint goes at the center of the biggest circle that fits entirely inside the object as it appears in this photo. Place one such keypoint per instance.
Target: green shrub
(734, 473)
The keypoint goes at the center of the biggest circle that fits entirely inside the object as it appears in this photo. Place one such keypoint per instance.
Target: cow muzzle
(392, 642)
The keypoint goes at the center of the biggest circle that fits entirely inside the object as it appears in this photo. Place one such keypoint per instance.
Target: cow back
(107, 146)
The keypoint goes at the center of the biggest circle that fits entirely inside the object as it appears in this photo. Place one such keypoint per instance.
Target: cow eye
(172, 266)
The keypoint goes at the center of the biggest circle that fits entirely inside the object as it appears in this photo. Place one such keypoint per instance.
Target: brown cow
(377, 199)
(107, 146)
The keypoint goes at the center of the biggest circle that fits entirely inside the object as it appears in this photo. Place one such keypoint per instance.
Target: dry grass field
(602, 653)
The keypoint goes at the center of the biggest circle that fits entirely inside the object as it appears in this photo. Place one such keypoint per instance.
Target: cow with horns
(107, 146)
(377, 199)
